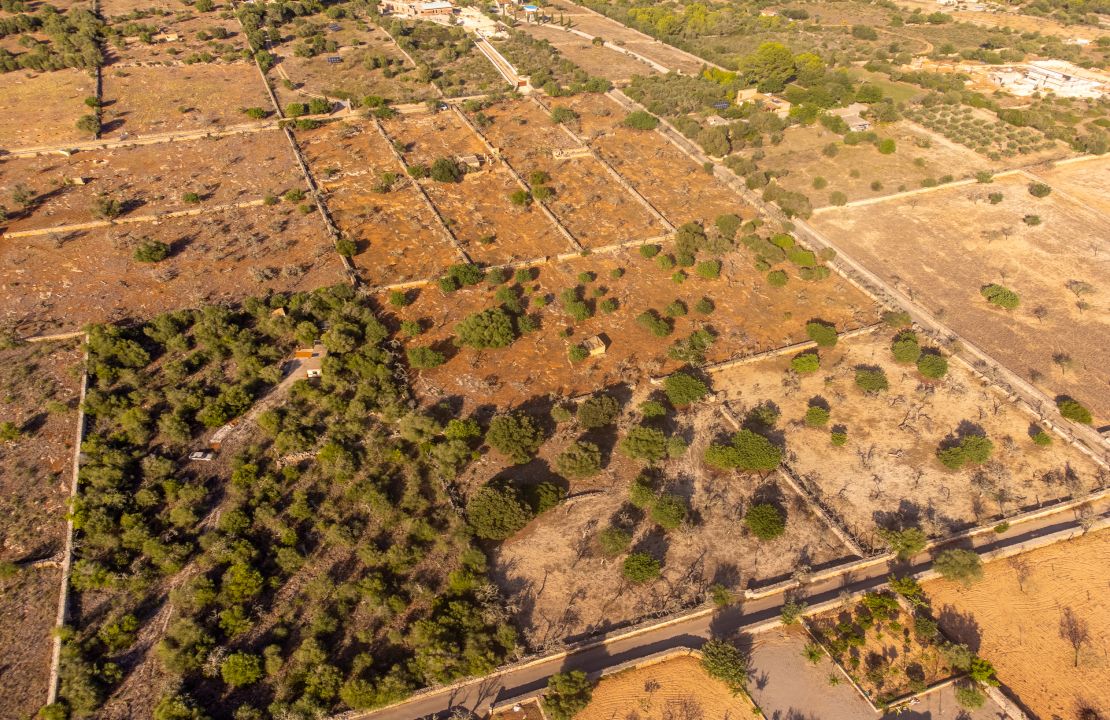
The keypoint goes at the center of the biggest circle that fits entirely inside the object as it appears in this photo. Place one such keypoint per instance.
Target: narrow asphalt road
(696, 628)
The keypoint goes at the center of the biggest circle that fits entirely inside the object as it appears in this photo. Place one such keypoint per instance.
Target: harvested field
(143, 100)
(748, 319)
(61, 282)
(1013, 618)
(151, 179)
(588, 200)
(599, 61)
(1087, 182)
(361, 46)
(666, 176)
(663, 691)
(399, 239)
(801, 158)
(566, 588)
(942, 247)
(43, 108)
(874, 641)
(39, 393)
(887, 474)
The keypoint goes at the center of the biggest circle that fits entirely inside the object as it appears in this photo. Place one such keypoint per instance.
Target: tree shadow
(961, 627)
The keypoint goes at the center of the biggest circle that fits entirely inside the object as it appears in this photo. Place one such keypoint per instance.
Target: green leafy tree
(684, 389)
(871, 380)
(580, 460)
(748, 451)
(822, 333)
(490, 328)
(614, 540)
(970, 450)
(644, 443)
(496, 512)
(567, 694)
(639, 567)
(769, 67)
(424, 358)
(598, 411)
(515, 436)
(962, 566)
(816, 416)
(239, 669)
(445, 170)
(932, 365)
(805, 363)
(669, 511)
(905, 347)
(905, 543)
(641, 120)
(725, 662)
(1074, 410)
(1000, 296)
(765, 521)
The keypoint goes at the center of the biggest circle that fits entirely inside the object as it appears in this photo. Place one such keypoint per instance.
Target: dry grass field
(887, 475)
(615, 66)
(145, 100)
(42, 108)
(1014, 617)
(150, 179)
(942, 247)
(60, 282)
(1087, 181)
(749, 317)
(427, 137)
(177, 31)
(672, 689)
(38, 394)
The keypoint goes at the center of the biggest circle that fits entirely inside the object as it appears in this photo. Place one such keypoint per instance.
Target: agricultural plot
(597, 60)
(667, 178)
(148, 179)
(145, 100)
(173, 37)
(597, 114)
(1043, 620)
(802, 164)
(587, 200)
(60, 282)
(1087, 182)
(887, 473)
(944, 246)
(459, 69)
(746, 315)
(986, 134)
(369, 64)
(398, 237)
(427, 137)
(676, 688)
(564, 584)
(43, 108)
(39, 396)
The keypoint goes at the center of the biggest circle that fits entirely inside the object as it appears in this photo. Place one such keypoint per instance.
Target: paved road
(695, 628)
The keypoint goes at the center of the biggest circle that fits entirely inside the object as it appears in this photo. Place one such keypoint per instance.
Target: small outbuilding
(311, 361)
(595, 345)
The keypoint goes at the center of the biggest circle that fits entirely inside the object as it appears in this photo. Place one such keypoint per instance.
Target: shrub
(1000, 296)
(905, 347)
(496, 512)
(1073, 410)
(151, 251)
(970, 450)
(709, 269)
(683, 389)
(871, 380)
(520, 198)
(515, 436)
(598, 411)
(644, 443)
(838, 198)
(424, 358)
(969, 696)
(765, 521)
(639, 567)
(567, 694)
(932, 365)
(1039, 190)
(897, 319)
(346, 247)
(816, 416)
(807, 362)
(886, 146)
(994, 198)
(725, 662)
(1041, 438)
(822, 333)
(704, 306)
(652, 409)
(649, 251)
(445, 170)
(608, 306)
(240, 669)
(491, 328)
(562, 114)
(904, 543)
(669, 511)
(747, 451)
(777, 278)
(399, 298)
(677, 308)
(190, 197)
(580, 460)
(614, 540)
(641, 120)
(838, 437)
(577, 353)
(963, 566)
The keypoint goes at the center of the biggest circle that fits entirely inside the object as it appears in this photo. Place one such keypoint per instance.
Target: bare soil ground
(151, 179)
(1087, 181)
(667, 178)
(942, 247)
(890, 655)
(28, 603)
(597, 60)
(185, 25)
(61, 282)
(561, 587)
(39, 394)
(399, 238)
(597, 114)
(887, 474)
(664, 691)
(43, 108)
(359, 44)
(588, 201)
(112, 8)
(143, 100)
(427, 137)
(749, 317)
(800, 156)
(613, 31)
(1013, 617)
